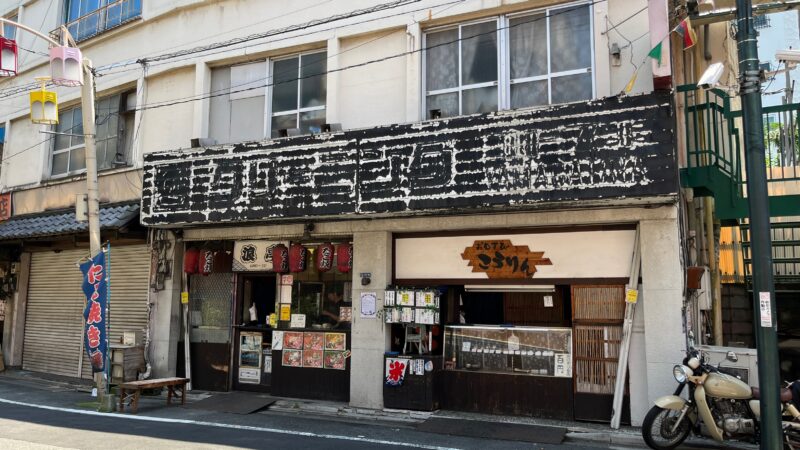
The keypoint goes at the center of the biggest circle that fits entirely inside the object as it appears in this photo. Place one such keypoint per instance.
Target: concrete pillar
(414, 74)
(165, 326)
(662, 299)
(332, 114)
(18, 312)
(372, 253)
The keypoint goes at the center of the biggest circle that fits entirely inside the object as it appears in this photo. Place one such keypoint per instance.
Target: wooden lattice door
(597, 316)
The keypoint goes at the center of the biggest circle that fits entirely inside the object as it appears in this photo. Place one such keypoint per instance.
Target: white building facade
(391, 127)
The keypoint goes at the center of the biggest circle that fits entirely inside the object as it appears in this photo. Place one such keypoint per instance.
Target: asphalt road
(37, 416)
(24, 427)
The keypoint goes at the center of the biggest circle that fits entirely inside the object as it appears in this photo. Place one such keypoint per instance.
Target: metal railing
(111, 15)
(714, 138)
(785, 251)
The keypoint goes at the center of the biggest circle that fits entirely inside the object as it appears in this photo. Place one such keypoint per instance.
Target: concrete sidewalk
(70, 393)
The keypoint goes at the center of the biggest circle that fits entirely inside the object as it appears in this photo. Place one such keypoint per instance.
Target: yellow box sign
(185, 298)
(631, 295)
(286, 312)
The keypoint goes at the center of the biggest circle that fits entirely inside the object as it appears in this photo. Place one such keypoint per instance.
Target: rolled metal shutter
(54, 317)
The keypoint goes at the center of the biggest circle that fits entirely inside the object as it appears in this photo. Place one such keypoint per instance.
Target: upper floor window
(10, 31)
(248, 110)
(87, 18)
(114, 138)
(511, 61)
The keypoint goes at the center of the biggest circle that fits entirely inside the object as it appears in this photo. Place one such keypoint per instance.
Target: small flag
(687, 33)
(629, 86)
(655, 53)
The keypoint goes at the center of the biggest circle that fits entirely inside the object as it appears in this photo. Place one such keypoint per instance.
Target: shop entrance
(507, 351)
(597, 316)
(252, 349)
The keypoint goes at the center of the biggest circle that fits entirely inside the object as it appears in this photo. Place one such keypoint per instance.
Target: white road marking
(229, 426)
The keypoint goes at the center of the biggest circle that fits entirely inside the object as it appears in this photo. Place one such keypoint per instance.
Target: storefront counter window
(322, 298)
(517, 350)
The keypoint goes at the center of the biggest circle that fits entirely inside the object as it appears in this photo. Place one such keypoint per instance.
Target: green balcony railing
(714, 163)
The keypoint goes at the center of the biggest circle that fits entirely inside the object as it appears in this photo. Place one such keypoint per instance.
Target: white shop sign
(253, 256)
(579, 254)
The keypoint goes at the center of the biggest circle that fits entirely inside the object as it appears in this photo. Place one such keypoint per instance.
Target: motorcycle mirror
(731, 356)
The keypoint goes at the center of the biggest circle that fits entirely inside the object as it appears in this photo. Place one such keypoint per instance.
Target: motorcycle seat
(786, 394)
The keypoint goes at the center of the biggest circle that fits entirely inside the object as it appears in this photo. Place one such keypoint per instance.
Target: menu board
(316, 350)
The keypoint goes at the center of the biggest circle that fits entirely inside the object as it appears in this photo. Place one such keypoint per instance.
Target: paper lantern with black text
(206, 262)
(190, 258)
(344, 258)
(280, 258)
(324, 257)
(298, 256)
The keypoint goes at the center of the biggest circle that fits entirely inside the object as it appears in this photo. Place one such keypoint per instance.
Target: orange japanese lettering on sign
(500, 259)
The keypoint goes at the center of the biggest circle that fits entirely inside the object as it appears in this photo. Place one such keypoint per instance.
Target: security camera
(788, 55)
(711, 76)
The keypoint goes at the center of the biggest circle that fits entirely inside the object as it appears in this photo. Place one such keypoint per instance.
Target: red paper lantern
(298, 255)
(344, 258)
(8, 57)
(190, 258)
(280, 258)
(324, 256)
(206, 262)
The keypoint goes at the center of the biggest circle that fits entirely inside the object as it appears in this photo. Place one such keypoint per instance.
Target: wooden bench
(136, 387)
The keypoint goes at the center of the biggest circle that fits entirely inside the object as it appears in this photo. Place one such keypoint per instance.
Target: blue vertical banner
(95, 287)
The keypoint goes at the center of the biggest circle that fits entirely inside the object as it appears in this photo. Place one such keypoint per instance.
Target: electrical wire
(183, 100)
(318, 5)
(270, 33)
(294, 36)
(203, 96)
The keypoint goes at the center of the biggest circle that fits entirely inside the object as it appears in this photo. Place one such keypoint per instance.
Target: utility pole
(761, 244)
(92, 196)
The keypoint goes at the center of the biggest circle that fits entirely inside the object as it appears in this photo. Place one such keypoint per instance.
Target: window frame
(504, 81)
(120, 137)
(269, 114)
(70, 148)
(13, 16)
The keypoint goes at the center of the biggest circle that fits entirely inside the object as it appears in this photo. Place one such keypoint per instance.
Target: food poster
(335, 341)
(335, 360)
(293, 358)
(313, 341)
(312, 358)
(293, 340)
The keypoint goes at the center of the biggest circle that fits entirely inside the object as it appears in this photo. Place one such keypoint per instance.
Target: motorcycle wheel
(657, 429)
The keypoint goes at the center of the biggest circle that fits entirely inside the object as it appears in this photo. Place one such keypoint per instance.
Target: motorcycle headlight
(681, 373)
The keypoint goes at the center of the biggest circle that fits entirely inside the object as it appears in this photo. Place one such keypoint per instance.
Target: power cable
(270, 33)
(182, 100)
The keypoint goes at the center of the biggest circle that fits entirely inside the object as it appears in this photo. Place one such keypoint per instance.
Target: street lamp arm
(30, 30)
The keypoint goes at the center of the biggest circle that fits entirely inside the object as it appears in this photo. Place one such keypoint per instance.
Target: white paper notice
(548, 301)
(562, 365)
(298, 321)
(368, 305)
(513, 343)
(286, 294)
(765, 305)
(277, 340)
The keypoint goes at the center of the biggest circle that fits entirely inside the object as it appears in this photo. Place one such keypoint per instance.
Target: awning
(62, 222)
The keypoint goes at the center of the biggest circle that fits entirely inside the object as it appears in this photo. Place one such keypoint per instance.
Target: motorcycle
(719, 405)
